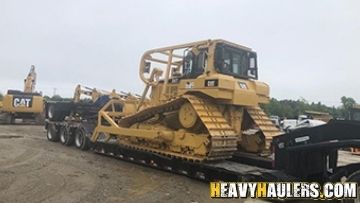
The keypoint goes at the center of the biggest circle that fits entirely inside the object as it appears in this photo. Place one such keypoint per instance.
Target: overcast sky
(306, 49)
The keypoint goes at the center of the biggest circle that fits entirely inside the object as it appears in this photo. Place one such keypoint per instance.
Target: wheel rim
(50, 112)
(62, 136)
(49, 135)
(79, 139)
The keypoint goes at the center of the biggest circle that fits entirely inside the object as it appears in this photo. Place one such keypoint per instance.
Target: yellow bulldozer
(26, 105)
(199, 116)
(201, 102)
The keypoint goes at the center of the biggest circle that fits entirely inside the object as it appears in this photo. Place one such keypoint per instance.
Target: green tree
(56, 98)
(1, 96)
(293, 108)
(347, 104)
(46, 98)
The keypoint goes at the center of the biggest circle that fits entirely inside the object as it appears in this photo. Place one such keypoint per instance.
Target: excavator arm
(30, 81)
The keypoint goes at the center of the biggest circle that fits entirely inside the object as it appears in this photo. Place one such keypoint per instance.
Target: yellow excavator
(26, 105)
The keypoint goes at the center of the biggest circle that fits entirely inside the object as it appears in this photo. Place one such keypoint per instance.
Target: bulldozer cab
(228, 60)
(236, 62)
(215, 68)
(192, 60)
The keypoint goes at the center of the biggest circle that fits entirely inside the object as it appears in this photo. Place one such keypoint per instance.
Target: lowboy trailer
(308, 154)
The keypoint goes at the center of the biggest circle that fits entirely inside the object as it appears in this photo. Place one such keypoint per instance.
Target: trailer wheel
(354, 177)
(65, 136)
(52, 133)
(81, 141)
(51, 112)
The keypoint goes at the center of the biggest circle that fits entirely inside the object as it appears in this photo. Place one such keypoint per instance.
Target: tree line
(293, 108)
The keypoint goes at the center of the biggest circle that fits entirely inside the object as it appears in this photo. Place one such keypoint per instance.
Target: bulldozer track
(222, 139)
(264, 123)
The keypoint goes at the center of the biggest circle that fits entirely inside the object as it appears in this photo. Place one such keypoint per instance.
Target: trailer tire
(54, 113)
(354, 177)
(51, 113)
(81, 140)
(52, 133)
(66, 137)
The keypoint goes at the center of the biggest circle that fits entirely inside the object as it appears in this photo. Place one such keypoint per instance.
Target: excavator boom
(30, 81)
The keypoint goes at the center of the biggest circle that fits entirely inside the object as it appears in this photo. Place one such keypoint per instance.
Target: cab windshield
(235, 61)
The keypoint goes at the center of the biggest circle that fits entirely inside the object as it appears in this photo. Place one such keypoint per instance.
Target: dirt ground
(33, 169)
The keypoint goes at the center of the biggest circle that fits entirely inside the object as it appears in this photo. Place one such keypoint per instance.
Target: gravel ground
(33, 169)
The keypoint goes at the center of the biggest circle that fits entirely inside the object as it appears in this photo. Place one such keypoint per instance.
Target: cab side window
(194, 65)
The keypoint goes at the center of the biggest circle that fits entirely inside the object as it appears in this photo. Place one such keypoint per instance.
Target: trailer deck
(309, 154)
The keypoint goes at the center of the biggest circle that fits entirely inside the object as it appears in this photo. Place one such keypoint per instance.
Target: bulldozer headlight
(242, 85)
(211, 83)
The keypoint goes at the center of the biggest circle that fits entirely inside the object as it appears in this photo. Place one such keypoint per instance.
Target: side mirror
(147, 67)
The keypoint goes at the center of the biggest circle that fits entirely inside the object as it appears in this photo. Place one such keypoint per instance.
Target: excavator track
(222, 139)
(264, 123)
